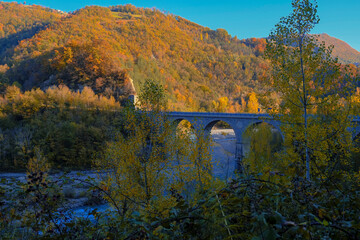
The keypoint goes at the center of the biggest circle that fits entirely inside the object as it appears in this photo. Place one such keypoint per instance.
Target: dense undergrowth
(246, 208)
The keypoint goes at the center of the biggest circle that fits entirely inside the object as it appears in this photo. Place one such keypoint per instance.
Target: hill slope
(18, 22)
(104, 48)
(342, 50)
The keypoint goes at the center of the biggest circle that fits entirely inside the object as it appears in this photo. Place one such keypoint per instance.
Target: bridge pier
(239, 156)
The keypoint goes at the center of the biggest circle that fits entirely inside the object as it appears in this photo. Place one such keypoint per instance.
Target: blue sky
(243, 18)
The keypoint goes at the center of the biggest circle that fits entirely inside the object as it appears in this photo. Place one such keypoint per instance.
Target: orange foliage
(102, 47)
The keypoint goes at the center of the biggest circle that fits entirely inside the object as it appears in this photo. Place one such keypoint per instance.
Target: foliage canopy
(314, 91)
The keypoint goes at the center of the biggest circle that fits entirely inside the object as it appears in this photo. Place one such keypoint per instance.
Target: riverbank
(77, 193)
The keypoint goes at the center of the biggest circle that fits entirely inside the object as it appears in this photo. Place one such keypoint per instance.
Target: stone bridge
(239, 122)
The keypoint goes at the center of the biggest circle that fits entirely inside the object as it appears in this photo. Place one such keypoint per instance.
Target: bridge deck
(231, 115)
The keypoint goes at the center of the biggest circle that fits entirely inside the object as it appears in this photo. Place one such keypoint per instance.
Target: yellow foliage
(253, 103)
(30, 102)
(260, 158)
(151, 160)
(221, 105)
(38, 163)
(315, 107)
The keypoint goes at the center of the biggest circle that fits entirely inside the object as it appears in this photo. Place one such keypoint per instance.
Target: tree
(264, 142)
(148, 161)
(309, 80)
(253, 104)
(221, 105)
(152, 97)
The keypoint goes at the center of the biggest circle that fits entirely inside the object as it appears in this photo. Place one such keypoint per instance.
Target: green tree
(309, 80)
(152, 96)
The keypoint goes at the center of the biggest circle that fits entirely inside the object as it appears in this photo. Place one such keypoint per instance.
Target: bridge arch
(175, 122)
(275, 139)
(210, 124)
(272, 124)
(224, 147)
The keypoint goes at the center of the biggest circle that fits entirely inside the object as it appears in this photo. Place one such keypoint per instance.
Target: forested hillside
(104, 48)
(18, 22)
(342, 50)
